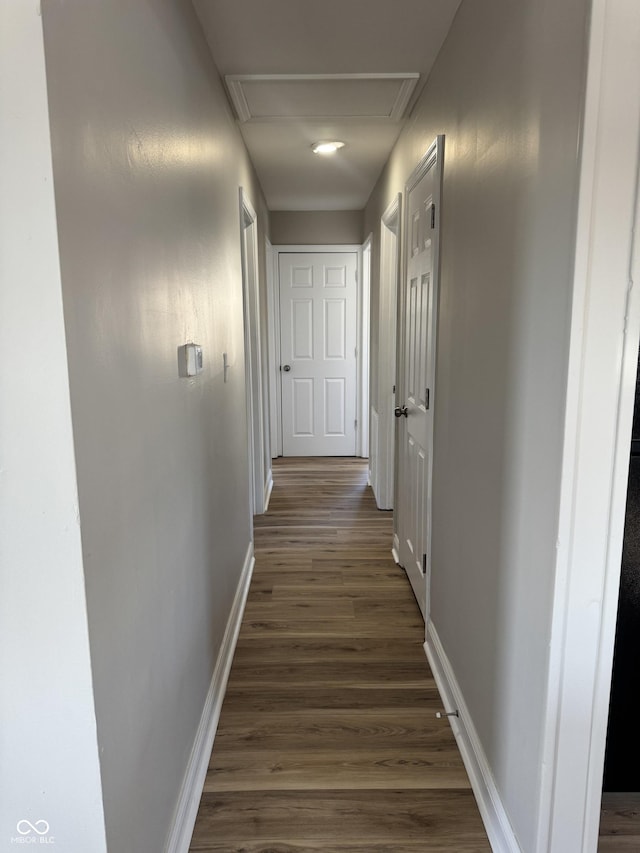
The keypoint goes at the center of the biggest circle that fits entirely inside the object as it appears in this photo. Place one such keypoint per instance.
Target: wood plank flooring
(619, 823)
(328, 739)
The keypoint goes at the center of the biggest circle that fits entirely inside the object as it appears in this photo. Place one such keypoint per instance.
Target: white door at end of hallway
(417, 377)
(318, 337)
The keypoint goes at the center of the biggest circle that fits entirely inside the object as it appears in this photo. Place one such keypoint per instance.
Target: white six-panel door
(417, 375)
(318, 336)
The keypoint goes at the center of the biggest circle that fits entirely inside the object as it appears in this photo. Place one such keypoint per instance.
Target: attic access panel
(291, 97)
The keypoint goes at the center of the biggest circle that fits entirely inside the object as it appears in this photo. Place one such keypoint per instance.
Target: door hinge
(427, 398)
(394, 390)
(433, 215)
(355, 423)
(424, 564)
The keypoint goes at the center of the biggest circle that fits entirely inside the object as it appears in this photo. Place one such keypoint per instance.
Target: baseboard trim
(268, 488)
(395, 549)
(492, 811)
(184, 820)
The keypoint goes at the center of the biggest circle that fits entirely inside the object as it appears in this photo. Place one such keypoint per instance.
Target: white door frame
(261, 481)
(274, 325)
(363, 346)
(605, 332)
(389, 278)
(273, 335)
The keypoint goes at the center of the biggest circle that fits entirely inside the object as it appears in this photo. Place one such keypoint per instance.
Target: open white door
(416, 378)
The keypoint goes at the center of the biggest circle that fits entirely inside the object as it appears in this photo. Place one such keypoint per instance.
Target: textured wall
(507, 91)
(147, 166)
(299, 227)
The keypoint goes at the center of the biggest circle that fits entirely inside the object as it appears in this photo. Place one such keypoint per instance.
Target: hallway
(328, 739)
(138, 141)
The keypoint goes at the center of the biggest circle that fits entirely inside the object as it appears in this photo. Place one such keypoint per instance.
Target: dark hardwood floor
(619, 823)
(328, 739)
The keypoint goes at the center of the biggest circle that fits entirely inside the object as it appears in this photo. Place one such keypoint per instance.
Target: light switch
(190, 360)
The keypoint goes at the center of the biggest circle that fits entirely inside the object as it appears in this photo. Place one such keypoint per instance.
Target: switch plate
(190, 361)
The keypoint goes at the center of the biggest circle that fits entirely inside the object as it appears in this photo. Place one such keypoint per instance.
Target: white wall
(49, 769)
(147, 166)
(603, 364)
(316, 227)
(507, 91)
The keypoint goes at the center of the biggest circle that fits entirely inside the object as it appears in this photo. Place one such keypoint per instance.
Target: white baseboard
(184, 820)
(494, 815)
(395, 549)
(268, 489)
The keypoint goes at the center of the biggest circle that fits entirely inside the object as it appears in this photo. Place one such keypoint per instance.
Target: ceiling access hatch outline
(292, 97)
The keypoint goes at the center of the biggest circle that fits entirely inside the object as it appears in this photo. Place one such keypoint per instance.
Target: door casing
(382, 450)
(273, 283)
(259, 453)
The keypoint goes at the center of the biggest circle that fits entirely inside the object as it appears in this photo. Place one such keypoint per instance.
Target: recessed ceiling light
(327, 147)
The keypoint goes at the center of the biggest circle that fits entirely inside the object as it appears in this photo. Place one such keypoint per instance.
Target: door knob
(401, 411)
(286, 367)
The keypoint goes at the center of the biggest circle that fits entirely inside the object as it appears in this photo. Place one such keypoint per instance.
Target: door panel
(302, 329)
(318, 296)
(335, 329)
(416, 377)
(303, 407)
(334, 406)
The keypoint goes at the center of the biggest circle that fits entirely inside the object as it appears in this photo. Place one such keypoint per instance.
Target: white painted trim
(390, 232)
(238, 98)
(324, 119)
(288, 78)
(268, 488)
(273, 333)
(184, 820)
(395, 549)
(265, 374)
(276, 267)
(253, 352)
(492, 810)
(404, 96)
(373, 475)
(274, 329)
(392, 216)
(362, 360)
(235, 85)
(289, 248)
(605, 332)
(50, 738)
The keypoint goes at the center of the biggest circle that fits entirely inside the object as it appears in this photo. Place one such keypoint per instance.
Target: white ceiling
(281, 118)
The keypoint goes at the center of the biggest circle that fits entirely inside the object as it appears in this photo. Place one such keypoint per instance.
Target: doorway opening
(383, 373)
(319, 340)
(621, 784)
(259, 449)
